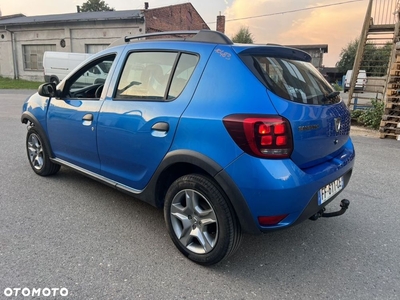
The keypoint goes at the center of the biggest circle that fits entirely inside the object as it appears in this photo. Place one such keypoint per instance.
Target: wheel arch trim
(28, 116)
(215, 171)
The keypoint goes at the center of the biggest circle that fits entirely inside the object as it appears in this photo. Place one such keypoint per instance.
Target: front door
(72, 119)
(72, 127)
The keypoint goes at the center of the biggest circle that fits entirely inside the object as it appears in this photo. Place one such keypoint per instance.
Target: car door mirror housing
(48, 90)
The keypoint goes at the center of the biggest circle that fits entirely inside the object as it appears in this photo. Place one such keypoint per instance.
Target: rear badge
(308, 127)
(337, 124)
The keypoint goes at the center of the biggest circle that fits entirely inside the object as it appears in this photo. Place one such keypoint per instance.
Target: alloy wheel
(35, 151)
(194, 221)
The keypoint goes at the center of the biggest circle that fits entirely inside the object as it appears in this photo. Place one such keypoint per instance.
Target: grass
(7, 83)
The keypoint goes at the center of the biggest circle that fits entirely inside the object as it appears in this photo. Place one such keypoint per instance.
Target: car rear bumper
(313, 206)
(279, 187)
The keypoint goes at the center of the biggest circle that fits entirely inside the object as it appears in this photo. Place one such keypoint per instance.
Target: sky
(335, 25)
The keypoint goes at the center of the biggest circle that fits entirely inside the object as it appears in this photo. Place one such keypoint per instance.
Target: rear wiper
(330, 96)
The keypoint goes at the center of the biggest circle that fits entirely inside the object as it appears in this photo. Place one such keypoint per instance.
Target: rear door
(138, 121)
(320, 121)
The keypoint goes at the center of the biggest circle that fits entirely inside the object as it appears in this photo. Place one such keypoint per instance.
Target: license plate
(330, 190)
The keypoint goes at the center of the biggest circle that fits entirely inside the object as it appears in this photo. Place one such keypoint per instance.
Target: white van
(57, 65)
(96, 74)
(361, 81)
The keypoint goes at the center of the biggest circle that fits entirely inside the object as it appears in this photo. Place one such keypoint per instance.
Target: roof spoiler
(277, 51)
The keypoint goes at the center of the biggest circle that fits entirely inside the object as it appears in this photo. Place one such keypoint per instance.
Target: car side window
(145, 75)
(182, 74)
(88, 82)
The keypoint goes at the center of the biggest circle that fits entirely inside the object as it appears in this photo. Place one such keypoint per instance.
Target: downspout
(14, 53)
(70, 40)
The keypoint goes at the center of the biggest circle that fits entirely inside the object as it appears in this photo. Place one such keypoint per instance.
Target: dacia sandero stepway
(226, 138)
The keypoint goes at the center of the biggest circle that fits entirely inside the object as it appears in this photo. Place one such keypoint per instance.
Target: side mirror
(48, 90)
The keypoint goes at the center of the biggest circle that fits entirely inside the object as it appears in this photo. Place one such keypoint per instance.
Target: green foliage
(355, 114)
(375, 60)
(95, 5)
(370, 117)
(337, 87)
(243, 36)
(7, 83)
(347, 57)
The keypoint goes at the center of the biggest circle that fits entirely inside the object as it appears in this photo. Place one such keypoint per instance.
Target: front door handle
(161, 126)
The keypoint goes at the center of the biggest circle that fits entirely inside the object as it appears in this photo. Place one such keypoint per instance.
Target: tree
(347, 57)
(95, 5)
(243, 36)
(374, 62)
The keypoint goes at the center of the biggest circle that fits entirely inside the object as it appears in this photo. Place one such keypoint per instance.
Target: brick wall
(174, 17)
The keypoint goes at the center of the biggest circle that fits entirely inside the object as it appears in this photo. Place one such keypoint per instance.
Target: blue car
(226, 138)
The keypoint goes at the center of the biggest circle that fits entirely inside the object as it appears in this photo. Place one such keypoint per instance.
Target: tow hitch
(344, 204)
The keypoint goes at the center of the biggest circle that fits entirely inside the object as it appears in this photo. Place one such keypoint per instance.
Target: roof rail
(206, 36)
(210, 36)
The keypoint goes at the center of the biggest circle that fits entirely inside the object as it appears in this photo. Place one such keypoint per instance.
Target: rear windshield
(294, 80)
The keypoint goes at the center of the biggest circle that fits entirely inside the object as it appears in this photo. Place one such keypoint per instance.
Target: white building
(23, 40)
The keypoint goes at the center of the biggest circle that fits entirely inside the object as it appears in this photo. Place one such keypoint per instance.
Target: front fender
(34, 111)
(36, 106)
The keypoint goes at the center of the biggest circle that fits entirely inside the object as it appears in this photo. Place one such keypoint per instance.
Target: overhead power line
(290, 11)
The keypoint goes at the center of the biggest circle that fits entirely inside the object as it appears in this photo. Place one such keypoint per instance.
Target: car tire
(38, 155)
(200, 220)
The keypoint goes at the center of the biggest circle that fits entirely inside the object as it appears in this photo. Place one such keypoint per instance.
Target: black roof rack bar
(207, 36)
(162, 33)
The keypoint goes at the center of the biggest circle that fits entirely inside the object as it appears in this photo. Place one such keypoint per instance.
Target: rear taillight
(261, 136)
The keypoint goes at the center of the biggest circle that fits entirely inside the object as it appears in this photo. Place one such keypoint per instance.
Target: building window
(94, 48)
(33, 56)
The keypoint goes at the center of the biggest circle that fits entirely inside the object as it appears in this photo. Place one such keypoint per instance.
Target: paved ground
(70, 231)
(362, 131)
(362, 99)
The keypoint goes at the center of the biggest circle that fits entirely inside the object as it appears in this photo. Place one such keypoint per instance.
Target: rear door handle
(87, 120)
(161, 126)
(87, 117)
